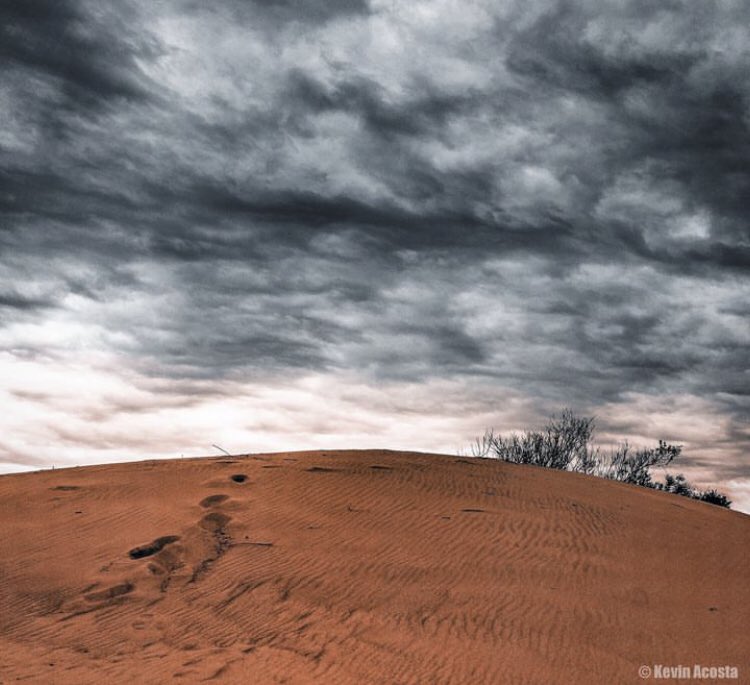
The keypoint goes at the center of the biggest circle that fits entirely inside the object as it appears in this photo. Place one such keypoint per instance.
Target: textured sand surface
(361, 567)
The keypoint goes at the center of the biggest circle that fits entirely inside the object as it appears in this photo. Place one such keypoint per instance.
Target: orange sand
(361, 567)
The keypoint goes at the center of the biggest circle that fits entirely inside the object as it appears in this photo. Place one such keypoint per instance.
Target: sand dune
(361, 567)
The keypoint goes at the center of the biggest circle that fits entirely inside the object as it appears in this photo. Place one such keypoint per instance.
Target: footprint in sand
(110, 592)
(213, 501)
(215, 522)
(153, 547)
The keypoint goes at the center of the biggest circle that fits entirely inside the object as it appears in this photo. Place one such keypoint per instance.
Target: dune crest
(361, 567)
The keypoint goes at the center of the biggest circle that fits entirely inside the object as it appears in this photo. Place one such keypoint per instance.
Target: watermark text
(688, 672)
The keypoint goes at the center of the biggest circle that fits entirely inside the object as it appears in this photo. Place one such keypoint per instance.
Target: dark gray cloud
(551, 197)
(13, 300)
(274, 12)
(90, 55)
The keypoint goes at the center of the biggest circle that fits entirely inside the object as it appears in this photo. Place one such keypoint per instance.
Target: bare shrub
(482, 447)
(566, 443)
(634, 465)
(562, 444)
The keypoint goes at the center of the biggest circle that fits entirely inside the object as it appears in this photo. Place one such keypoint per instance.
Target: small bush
(714, 497)
(679, 485)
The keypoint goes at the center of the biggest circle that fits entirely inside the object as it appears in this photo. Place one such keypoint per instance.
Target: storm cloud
(528, 205)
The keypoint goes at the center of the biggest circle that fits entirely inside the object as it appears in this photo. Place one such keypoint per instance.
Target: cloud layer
(535, 204)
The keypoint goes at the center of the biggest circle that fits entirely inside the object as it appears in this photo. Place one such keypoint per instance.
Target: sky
(275, 225)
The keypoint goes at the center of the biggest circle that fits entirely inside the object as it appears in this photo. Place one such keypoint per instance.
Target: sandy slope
(361, 567)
